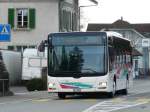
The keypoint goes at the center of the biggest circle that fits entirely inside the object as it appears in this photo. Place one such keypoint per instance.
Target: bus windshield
(83, 55)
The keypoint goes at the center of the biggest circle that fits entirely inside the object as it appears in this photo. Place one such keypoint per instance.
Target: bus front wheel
(113, 92)
(61, 96)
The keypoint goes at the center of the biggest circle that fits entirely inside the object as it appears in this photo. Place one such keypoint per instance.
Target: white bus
(87, 62)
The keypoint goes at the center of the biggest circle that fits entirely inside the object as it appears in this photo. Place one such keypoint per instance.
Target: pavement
(21, 94)
(19, 89)
(139, 86)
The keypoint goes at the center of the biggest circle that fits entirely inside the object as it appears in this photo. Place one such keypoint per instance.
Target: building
(136, 33)
(32, 20)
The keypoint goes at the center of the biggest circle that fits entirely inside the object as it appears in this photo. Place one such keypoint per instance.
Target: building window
(68, 16)
(32, 46)
(10, 47)
(24, 47)
(68, 21)
(22, 18)
(20, 48)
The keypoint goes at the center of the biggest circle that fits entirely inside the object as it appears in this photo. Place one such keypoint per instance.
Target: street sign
(5, 32)
(145, 42)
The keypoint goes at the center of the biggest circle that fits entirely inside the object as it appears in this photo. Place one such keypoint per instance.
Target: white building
(32, 20)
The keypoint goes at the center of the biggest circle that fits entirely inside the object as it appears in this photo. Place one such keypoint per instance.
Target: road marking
(118, 100)
(15, 102)
(143, 100)
(90, 100)
(67, 100)
(23, 93)
(112, 105)
(40, 100)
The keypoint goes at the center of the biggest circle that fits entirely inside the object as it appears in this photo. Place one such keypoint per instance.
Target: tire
(112, 94)
(125, 91)
(61, 96)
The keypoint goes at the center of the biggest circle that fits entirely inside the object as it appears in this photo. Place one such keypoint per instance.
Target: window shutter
(11, 17)
(32, 18)
(64, 21)
(61, 21)
(67, 21)
(74, 22)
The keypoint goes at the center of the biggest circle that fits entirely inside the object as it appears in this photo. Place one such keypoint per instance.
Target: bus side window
(111, 58)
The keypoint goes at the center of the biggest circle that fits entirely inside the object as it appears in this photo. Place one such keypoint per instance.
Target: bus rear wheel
(61, 95)
(125, 91)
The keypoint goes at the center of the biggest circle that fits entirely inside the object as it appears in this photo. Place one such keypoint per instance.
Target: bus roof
(112, 33)
(108, 33)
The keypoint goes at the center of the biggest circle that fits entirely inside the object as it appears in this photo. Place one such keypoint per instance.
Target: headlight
(103, 84)
(51, 85)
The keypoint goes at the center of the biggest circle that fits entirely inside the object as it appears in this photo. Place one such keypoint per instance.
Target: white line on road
(108, 106)
(14, 102)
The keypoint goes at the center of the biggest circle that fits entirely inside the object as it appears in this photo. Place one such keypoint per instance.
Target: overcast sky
(108, 11)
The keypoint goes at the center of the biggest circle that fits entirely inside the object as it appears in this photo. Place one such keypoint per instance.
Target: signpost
(145, 42)
(5, 32)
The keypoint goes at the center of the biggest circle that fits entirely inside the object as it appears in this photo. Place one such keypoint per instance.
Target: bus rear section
(78, 63)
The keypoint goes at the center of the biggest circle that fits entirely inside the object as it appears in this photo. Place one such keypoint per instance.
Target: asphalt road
(138, 100)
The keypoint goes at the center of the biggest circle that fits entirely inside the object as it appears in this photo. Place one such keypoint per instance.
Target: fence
(4, 86)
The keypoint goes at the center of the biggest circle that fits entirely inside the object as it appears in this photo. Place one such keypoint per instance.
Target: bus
(89, 62)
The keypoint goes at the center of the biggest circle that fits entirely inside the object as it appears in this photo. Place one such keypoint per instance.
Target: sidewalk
(21, 94)
(22, 91)
(18, 89)
(141, 85)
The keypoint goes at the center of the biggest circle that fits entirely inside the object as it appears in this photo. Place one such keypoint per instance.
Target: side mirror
(49, 43)
(41, 47)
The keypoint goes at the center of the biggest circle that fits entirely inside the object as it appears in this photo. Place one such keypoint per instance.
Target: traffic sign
(5, 32)
(145, 42)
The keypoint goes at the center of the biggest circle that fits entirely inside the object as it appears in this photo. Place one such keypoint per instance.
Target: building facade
(32, 20)
(136, 33)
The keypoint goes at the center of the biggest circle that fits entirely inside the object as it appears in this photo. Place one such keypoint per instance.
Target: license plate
(76, 90)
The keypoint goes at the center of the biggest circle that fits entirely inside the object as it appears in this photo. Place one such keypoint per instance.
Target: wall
(13, 63)
(47, 21)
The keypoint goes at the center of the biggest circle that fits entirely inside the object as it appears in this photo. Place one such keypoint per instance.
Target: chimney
(121, 18)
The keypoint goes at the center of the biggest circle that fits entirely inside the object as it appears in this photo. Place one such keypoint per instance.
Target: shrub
(35, 84)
